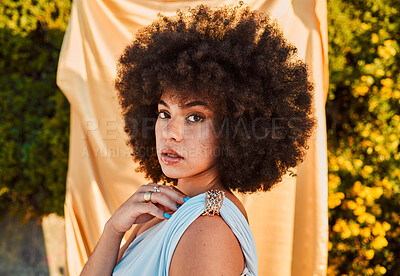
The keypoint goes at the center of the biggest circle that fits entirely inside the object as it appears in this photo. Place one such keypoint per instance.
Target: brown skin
(261, 92)
(208, 240)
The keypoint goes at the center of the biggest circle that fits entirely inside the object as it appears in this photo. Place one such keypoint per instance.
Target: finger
(164, 200)
(173, 193)
(150, 208)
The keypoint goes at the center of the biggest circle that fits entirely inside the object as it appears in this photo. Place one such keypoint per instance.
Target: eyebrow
(194, 103)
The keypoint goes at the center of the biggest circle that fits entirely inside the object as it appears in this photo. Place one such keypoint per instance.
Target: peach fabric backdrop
(290, 223)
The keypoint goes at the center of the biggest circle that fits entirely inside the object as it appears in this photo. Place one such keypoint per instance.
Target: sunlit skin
(188, 130)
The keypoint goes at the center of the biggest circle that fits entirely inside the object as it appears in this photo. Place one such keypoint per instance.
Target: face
(184, 138)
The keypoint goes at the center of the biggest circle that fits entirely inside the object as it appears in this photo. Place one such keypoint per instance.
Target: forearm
(104, 257)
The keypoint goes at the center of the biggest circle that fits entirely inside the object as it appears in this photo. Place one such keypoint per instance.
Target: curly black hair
(238, 60)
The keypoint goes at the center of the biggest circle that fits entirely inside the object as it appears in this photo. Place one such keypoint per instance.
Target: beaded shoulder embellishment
(213, 202)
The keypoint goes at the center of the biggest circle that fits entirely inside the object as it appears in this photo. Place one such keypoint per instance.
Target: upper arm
(207, 247)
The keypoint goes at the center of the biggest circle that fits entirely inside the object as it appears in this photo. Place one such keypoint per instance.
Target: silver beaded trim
(213, 201)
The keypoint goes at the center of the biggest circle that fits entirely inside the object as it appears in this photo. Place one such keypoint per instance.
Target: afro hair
(239, 60)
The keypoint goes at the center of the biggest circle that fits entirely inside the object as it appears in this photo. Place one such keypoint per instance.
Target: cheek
(205, 147)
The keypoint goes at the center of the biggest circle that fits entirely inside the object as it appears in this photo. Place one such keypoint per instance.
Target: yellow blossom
(365, 26)
(341, 246)
(355, 229)
(329, 246)
(387, 82)
(389, 42)
(368, 169)
(369, 254)
(381, 269)
(361, 90)
(357, 163)
(359, 210)
(377, 229)
(351, 204)
(380, 73)
(357, 187)
(379, 242)
(359, 200)
(374, 38)
(365, 232)
(386, 226)
(370, 218)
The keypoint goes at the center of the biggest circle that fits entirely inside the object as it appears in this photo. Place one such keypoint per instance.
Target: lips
(171, 153)
(170, 157)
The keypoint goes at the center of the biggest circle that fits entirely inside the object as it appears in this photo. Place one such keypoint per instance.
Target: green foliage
(34, 128)
(363, 137)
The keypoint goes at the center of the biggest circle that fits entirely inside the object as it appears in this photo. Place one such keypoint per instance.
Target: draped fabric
(151, 252)
(289, 223)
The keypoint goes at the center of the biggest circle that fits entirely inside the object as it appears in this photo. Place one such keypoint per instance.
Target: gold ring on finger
(156, 189)
(147, 196)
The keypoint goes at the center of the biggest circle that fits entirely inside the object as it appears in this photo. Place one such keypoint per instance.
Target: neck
(200, 183)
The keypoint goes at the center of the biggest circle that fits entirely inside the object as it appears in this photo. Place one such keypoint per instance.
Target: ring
(147, 196)
(156, 189)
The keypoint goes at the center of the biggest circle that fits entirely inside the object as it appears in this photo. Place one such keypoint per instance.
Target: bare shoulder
(207, 247)
(238, 204)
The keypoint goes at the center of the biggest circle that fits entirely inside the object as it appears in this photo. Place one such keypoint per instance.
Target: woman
(214, 101)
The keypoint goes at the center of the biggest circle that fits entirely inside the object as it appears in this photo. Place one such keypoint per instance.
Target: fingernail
(167, 215)
(186, 199)
(178, 205)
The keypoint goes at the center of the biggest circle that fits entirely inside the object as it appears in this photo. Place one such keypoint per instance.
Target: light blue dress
(150, 253)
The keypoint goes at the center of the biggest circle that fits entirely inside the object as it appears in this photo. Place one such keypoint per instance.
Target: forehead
(185, 99)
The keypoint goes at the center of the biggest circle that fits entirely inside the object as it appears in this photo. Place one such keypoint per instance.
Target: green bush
(34, 129)
(363, 137)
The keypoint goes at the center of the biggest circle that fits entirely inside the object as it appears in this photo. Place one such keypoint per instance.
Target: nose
(173, 130)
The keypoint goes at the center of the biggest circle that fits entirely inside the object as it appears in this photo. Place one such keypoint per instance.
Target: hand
(136, 211)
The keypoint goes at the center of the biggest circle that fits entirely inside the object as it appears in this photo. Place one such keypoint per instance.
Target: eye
(162, 114)
(195, 118)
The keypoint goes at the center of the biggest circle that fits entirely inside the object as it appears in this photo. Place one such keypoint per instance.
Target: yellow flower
(386, 91)
(355, 229)
(337, 228)
(361, 90)
(365, 232)
(386, 226)
(389, 42)
(382, 270)
(357, 163)
(369, 218)
(396, 217)
(351, 204)
(377, 192)
(365, 26)
(368, 169)
(341, 246)
(346, 233)
(378, 230)
(370, 271)
(359, 200)
(357, 187)
(359, 210)
(369, 254)
(348, 165)
(387, 82)
(380, 73)
(379, 242)
(374, 38)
